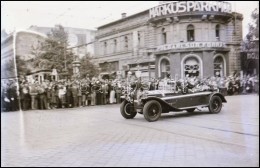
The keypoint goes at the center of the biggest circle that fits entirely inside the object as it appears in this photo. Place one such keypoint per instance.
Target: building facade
(176, 39)
(18, 44)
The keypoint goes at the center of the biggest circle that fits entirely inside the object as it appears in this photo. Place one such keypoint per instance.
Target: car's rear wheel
(127, 110)
(190, 110)
(215, 104)
(152, 110)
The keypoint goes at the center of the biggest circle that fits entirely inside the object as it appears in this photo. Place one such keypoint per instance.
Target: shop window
(191, 67)
(190, 33)
(218, 67)
(165, 68)
(217, 32)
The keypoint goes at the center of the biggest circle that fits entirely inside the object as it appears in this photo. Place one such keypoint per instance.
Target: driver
(192, 82)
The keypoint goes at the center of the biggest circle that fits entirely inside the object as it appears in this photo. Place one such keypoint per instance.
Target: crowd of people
(91, 92)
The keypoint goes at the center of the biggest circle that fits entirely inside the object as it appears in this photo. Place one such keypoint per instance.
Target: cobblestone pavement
(100, 136)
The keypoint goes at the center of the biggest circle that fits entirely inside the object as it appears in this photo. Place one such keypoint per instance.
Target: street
(100, 136)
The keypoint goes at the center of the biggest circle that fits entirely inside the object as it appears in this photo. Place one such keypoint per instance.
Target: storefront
(196, 41)
(249, 63)
(174, 39)
(205, 61)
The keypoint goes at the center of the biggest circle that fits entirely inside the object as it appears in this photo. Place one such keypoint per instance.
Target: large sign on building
(190, 6)
(189, 45)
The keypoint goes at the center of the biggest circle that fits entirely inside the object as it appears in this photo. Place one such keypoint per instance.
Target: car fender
(162, 102)
(219, 95)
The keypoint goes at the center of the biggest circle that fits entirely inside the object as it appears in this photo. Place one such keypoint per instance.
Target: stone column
(208, 63)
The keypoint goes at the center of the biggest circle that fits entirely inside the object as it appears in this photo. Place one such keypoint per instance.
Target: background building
(26, 45)
(80, 40)
(179, 38)
(19, 43)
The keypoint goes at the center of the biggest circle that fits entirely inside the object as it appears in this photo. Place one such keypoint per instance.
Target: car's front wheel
(152, 110)
(127, 110)
(215, 104)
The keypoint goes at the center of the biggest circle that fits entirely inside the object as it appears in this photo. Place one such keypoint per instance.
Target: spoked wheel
(127, 110)
(152, 110)
(215, 104)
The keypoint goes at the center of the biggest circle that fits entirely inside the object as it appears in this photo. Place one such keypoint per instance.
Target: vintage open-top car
(152, 103)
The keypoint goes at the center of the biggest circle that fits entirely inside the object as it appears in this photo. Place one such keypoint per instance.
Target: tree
(87, 67)
(54, 52)
(249, 44)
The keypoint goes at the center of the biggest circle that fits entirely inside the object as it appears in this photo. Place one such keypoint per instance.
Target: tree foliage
(87, 67)
(54, 52)
(249, 43)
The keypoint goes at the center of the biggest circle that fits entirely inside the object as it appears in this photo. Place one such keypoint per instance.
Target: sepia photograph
(130, 84)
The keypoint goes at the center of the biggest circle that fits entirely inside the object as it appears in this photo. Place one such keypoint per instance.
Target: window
(217, 32)
(218, 67)
(191, 67)
(105, 47)
(165, 68)
(164, 36)
(126, 42)
(190, 33)
(139, 39)
(115, 45)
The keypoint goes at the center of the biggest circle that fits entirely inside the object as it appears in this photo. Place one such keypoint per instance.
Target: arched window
(190, 33)
(217, 32)
(218, 67)
(164, 36)
(165, 68)
(191, 67)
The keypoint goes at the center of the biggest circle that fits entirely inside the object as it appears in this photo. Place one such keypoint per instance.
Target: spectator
(27, 97)
(74, 91)
(84, 93)
(34, 95)
(79, 95)
(62, 92)
(93, 93)
(69, 97)
(42, 97)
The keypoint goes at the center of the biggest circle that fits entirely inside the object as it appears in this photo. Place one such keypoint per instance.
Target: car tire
(127, 110)
(152, 110)
(215, 104)
(190, 110)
